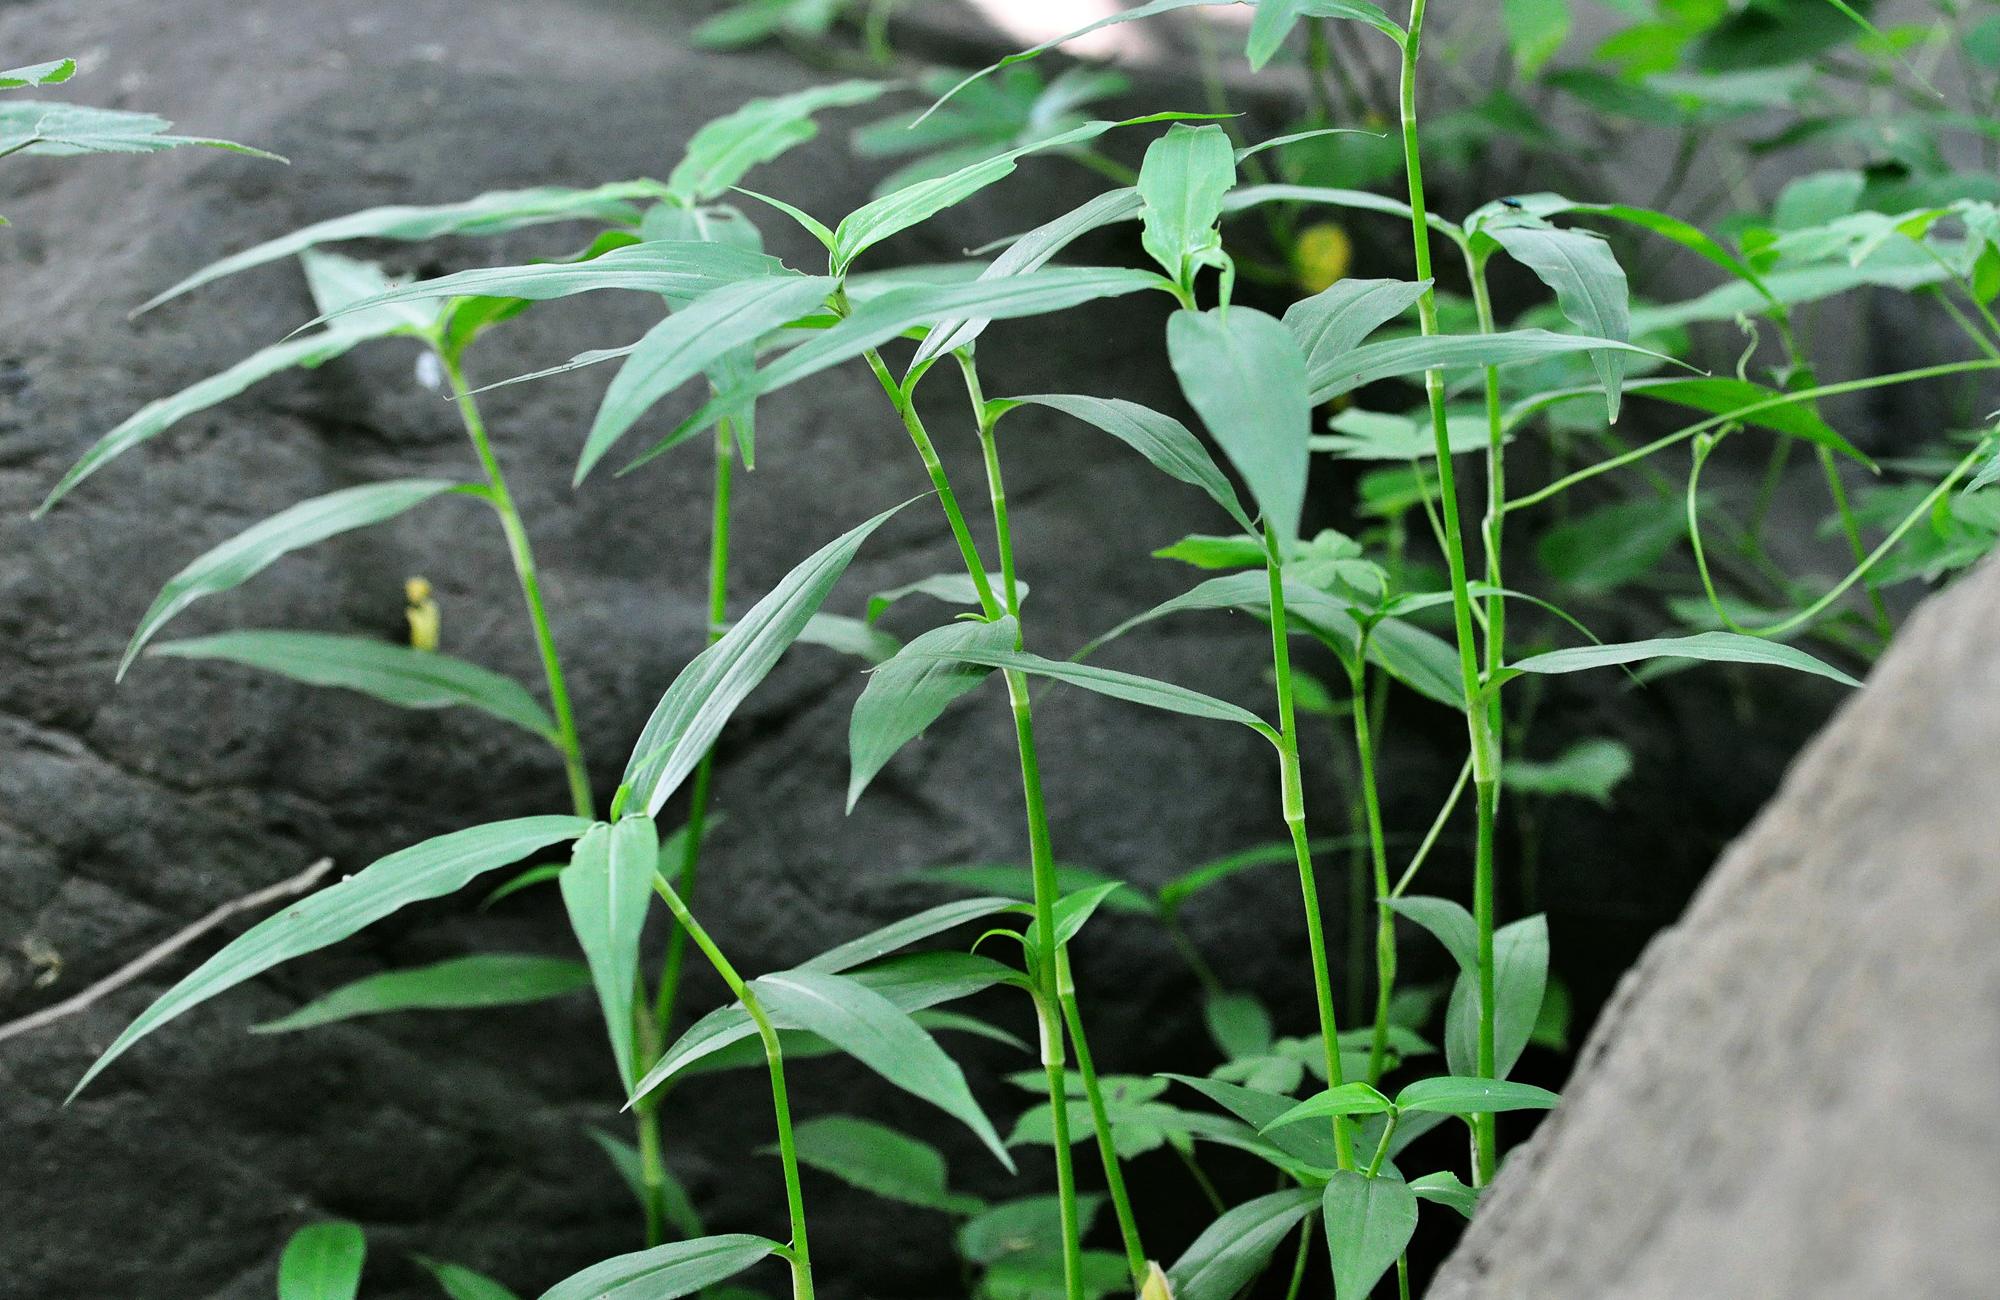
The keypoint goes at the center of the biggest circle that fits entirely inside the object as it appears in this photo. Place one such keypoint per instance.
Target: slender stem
(531, 588)
(1485, 746)
(1292, 793)
(652, 1161)
(1201, 1180)
(1385, 919)
(1382, 1147)
(800, 1253)
(1298, 1281)
(1437, 827)
(1100, 1118)
(968, 549)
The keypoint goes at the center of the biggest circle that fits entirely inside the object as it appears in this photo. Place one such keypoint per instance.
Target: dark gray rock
(1792, 1094)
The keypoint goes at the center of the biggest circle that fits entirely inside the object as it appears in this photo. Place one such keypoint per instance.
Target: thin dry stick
(153, 956)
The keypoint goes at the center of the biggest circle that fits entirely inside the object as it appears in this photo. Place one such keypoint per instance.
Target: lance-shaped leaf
(951, 588)
(1445, 1188)
(1334, 321)
(878, 1159)
(1311, 1143)
(38, 74)
(1520, 979)
(1135, 14)
(1276, 18)
(1455, 1095)
(1310, 608)
(724, 150)
(911, 691)
(1161, 439)
(461, 1283)
(323, 1261)
(67, 130)
(691, 341)
(691, 714)
(1244, 373)
(1589, 286)
(1738, 399)
(1251, 196)
(1447, 921)
(1391, 358)
(889, 314)
(248, 553)
(1713, 647)
(1182, 181)
(882, 1036)
(499, 979)
(605, 890)
(489, 214)
(395, 674)
(1369, 1222)
(429, 870)
(900, 934)
(1233, 1250)
(1355, 1098)
(667, 1272)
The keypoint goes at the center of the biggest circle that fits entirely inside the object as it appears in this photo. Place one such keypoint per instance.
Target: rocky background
(127, 810)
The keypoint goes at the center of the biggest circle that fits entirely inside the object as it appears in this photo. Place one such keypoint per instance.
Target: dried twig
(153, 956)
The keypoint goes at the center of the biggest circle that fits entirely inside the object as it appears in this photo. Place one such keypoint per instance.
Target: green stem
(1100, 1118)
(1298, 1281)
(1385, 919)
(523, 556)
(1382, 1147)
(1437, 827)
(800, 1253)
(1292, 794)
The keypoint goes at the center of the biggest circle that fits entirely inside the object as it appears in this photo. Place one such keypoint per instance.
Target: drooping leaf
(1181, 183)
(322, 1261)
(1233, 1250)
(461, 1283)
(691, 714)
(1393, 358)
(882, 1036)
(1520, 978)
(1311, 1143)
(1161, 439)
(1369, 1222)
(1237, 1022)
(724, 150)
(1449, 922)
(1713, 647)
(1445, 1188)
(667, 1272)
(1244, 373)
(1455, 1095)
(851, 636)
(1737, 399)
(631, 1167)
(68, 130)
(878, 1159)
(1334, 321)
(886, 939)
(1589, 769)
(395, 674)
(1017, 881)
(605, 890)
(429, 870)
(38, 74)
(489, 214)
(911, 691)
(1589, 286)
(1177, 891)
(1348, 1099)
(499, 979)
(245, 555)
(956, 588)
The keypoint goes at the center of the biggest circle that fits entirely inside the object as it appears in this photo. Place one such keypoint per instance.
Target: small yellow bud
(1323, 256)
(423, 614)
(1156, 1285)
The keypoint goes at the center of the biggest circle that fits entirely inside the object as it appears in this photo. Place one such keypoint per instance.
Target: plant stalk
(1385, 919)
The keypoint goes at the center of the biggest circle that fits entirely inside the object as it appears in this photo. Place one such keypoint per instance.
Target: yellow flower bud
(1156, 1285)
(1323, 255)
(423, 614)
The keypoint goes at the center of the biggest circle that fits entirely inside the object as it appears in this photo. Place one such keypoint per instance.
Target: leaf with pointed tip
(322, 1261)
(849, 636)
(1251, 196)
(1456, 1095)
(461, 1283)
(1589, 769)
(492, 213)
(691, 341)
(1449, 922)
(951, 588)
(1369, 1222)
(1589, 285)
(1017, 881)
(1520, 979)
(726, 148)
(1392, 358)
(1348, 1099)
(395, 674)
(1244, 374)
(68, 130)
(1121, 686)
(1445, 1188)
(1713, 647)
(880, 1160)
(882, 1036)
(1182, 181)
(900, 934)
(1311, 609)
(1276, 18)
(1311, 1143)
(691, 714)
(429, 870)
(498, 979)
(911, 691)
(248, 553)
(631, 1167)
(667, 1272)
(605, 890)
(1737, 399)
(1161, 439)
(1334, 321)
(337, 283)
(38, 74)
(1232, 1251)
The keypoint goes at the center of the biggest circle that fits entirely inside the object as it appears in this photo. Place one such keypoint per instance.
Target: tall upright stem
(1292, 794)
(1484, 743)
(1385, 918)
(523, 556)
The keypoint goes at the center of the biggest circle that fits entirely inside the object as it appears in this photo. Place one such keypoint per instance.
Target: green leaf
(1369, 1222)
(1311, 1143)
(882, 1036)
(691, 714)
(1237, 1022)
(1333, 322)
(724, 150)
(850, 636)
(1244, 374)
(1739, 399)
(492, 213)
(1445, 1188)
(337, 283)
(1182, 181)
(1206, 551)
(1600, 551)
(1177, 891)
(911, 929)
(1135, 14)
(667, 1272)
(1690, 237)
(322, 1261)
(1589, 769)
(1161, 439)
(1393, 358)
(1029, 1226)
(605, 890)
(952, 588)
(1373, 435)
(395, 674)
(1232, 1251)
(911, 691)
(1307, 608)
(38, 74)
(1348, 1099)
(247, 554)
(1017, 881)
(500, 979)
(689, 342)
(878, 1159)
(67, 130)
(1713, 647)
(1447, 921)
(461, 1283)
(1588, 282)
(429, 870)
(1536, 30)
(1520, 978)
(631, 1167)
(1454, 1095)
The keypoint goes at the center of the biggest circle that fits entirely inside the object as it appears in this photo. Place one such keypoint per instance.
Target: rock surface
(1793, 1093)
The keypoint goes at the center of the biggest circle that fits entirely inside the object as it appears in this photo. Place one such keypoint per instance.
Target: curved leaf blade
(1129, 687)
(322, 1261)
(1334, 321)
(1457, 1095)
(877, 1159)
(1393, 358)
(1713, 647)
(1244, 374)
(1161, 439)
(498, 979)
(1589, 285)
(1233, 1250)
(605, 890)
(1369, 1222)
(667, 1272)
(907, 694)
(725, 149)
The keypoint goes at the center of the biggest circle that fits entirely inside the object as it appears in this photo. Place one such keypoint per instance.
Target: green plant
(1417, 602)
